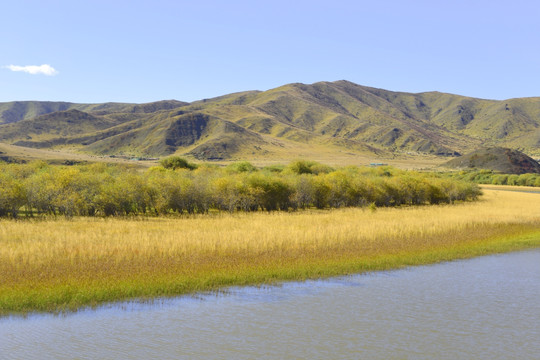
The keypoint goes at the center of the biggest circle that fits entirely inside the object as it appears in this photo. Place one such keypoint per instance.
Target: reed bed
(59, 264)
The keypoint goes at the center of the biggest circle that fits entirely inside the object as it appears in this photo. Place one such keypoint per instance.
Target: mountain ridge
(340, 115)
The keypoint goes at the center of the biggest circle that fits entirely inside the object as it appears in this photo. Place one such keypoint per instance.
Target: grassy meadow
(60, 264)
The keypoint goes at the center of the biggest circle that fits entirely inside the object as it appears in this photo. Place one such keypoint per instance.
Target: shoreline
(143, 301)
(91, 272)
(325, 272)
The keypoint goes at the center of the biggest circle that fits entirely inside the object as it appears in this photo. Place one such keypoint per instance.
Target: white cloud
(44, 69)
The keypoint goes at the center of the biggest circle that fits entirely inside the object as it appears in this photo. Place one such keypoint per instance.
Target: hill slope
(11, 112)
(498, 159)
(330, 116)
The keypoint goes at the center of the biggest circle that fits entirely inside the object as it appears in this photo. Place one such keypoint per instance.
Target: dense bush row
(490, 177)
(177, 187)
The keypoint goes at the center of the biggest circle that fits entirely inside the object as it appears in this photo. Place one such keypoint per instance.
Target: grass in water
(55, 265)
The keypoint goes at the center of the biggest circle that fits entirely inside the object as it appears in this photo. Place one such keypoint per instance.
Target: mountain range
(338, 117)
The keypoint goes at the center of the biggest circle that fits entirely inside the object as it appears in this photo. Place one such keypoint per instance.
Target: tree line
(179, 187)
(493, 178)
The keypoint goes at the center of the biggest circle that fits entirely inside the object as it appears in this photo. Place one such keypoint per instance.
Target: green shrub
(242, 166)
(300, 167)
(176, 162)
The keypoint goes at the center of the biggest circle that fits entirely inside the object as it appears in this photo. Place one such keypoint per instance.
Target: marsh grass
(59, 264)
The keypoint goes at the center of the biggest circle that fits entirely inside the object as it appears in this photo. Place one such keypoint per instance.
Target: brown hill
(334, 117)
(498, 159)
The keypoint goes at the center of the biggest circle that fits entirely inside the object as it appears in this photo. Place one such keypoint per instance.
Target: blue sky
(141, 51)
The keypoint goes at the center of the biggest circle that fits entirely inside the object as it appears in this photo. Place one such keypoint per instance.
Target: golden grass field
(59, 264)
(61, 155)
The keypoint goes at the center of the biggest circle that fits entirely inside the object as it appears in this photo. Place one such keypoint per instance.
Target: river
(482, 308)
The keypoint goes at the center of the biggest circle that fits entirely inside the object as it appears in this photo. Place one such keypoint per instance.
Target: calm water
(484, 308)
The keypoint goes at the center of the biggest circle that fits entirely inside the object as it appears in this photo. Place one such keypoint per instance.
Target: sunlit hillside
(332, 118)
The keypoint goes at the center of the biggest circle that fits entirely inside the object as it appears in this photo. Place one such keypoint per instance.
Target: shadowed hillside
(331, 116)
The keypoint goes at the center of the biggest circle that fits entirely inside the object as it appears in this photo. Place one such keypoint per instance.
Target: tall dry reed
(71, 261)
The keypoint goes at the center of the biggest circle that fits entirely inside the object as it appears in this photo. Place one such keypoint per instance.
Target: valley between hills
(337, 123)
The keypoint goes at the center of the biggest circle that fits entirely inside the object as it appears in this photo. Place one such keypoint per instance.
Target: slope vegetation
(332, 117)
